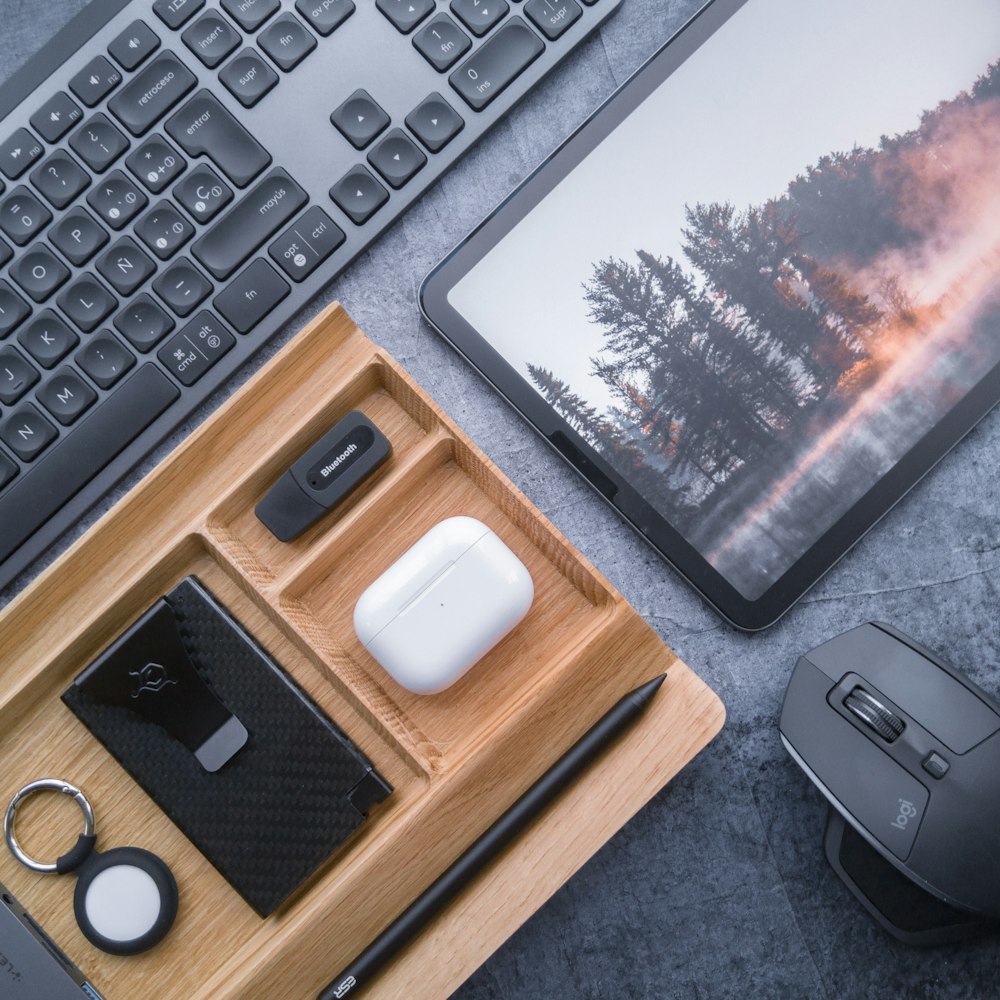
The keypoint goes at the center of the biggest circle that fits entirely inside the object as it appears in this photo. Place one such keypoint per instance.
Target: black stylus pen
(413, 919)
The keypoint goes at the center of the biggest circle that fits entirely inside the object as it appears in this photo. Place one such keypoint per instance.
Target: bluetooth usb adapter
(331, 469)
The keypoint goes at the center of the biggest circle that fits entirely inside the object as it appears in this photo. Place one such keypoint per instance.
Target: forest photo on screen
(766, 378)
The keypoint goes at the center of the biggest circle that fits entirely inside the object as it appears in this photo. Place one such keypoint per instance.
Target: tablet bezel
(749, 615)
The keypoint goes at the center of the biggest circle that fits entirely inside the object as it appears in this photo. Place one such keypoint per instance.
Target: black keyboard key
(287, 41)
(78, 237)
(434, 122)
(359, 195)
(17, 376)
(23, 216)
(211, 38)
(105, 359)
(156, 163)
(480, 16)
(174, 13)
(164, 230)
(192, 351)
(360, 119)
(47, 339)
(251, 296)
(492, 68)
(56, 117)
(125, 266)
(8, 470)
(60, 178)
(116, 199)
(5, 253)
(397, 158)
(134, 45)
(203, 125)
(19, 152)
(301, 248)
(260, 214)
(442, 42)
(27, 433)
(80, 456)
(13, 309)
(248, 78)
(183, 287)
(325, 16)
(203, 193)
(39, 272)
(66, 396)
(95, 81)
(251, 14)
(98, 143)
(143, 323)
(553, 17)
(152, 93)
(405, 14)
(87, 302)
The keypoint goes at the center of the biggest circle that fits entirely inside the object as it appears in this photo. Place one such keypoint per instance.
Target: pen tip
(646, 691)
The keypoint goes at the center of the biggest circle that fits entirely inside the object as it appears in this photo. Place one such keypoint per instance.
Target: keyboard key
(192, 351)
(480, 16)
(553, 17)
(405, 14)
(203, 193)
(60, 178)
(300, 249)
(143, 323)
(174, 13)
(251, 296)
(134, 45)
(248, 78)
(152, 93)
(360, 119)
(442, 42)
(80, 456)
(19, 152)
(87, 302)
(397, 158)
(8, 470)
(78, 237)
(434, 122)
(56, 117)
(47, 339)
(23, 216)
(325, 16)
(117, 200)
(39, 272)
(492, 68)
(95, 81)
(66, 396)
(17, 376)
(211, 38)
(27, 433)
(203, 125)
(267, 207)
(359, 195)
(156, 163)
(164, 230)
(251, 14)
(5, 253)
(287, 41)
(98, 143)
(125, 266)
(105, 359)
(183, 287)
(13, 308)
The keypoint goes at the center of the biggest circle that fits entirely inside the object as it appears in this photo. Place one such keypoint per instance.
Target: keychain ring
(44, 785)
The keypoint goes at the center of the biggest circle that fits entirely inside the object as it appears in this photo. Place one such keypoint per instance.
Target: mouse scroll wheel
(874, 714)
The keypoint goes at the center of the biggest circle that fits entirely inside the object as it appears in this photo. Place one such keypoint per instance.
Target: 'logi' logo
(152, 678)
(906, 812)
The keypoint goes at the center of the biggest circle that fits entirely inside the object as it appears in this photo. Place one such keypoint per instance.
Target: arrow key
(397, 158)
(360, 119)
(359, 195)
(56, 117)
(434, 122)
(18, 153)
(479, 16)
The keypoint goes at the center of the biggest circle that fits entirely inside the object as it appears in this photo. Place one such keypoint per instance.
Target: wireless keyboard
(180, 177)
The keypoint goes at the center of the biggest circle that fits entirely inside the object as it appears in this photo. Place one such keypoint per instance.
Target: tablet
(756, 296)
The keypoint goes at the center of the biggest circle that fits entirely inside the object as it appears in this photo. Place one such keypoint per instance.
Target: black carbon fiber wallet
(248, 767)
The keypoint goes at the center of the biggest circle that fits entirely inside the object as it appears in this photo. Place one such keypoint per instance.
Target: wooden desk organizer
(457, 759)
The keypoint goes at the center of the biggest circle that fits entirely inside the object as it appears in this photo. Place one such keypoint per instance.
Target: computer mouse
(907, 750)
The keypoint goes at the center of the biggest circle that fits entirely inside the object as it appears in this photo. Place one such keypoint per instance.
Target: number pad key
(442, 42)
(192, 351)
(117, 200)
(203, 193)
(23, 216)
(95, 81)
(47, 339)
(553, 17)
(156, 163)
(143, 323)
(60, 178)
(78, 237)
(16, 375)
(98, 143)
(27, 432)
(164, 230)
(183, 287)
(406, 14)
(479, 16)
(125, 266)
(56, 117)
(39, 272)
(87, 302)
(66, 396)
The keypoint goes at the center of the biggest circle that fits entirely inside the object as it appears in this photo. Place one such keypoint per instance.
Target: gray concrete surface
(718, 889)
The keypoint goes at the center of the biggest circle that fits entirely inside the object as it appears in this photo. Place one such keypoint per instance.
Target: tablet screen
(774, 276)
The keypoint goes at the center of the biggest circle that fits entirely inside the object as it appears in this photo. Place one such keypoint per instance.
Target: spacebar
(88, 448)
